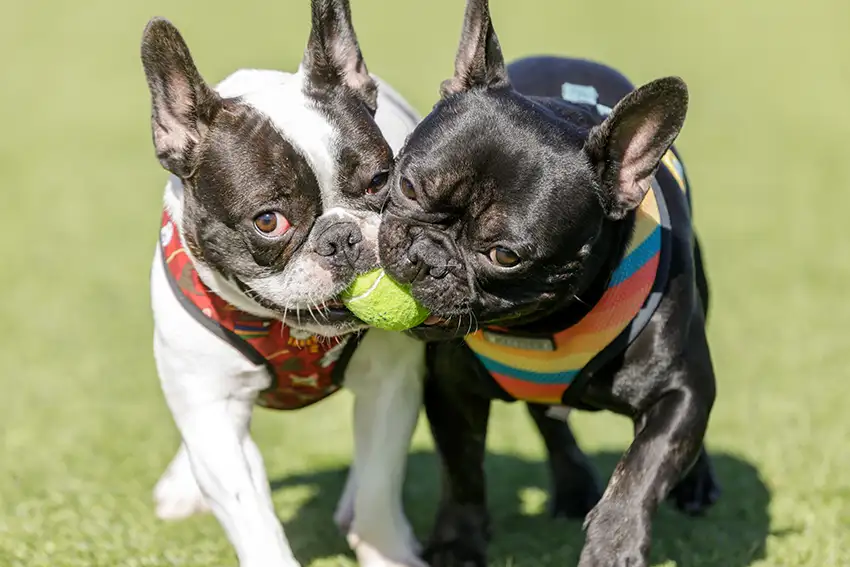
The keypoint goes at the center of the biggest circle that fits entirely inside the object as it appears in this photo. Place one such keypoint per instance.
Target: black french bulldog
(560, 231)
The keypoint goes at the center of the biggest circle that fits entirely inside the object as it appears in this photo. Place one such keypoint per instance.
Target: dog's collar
(303, 368)
(541, 368)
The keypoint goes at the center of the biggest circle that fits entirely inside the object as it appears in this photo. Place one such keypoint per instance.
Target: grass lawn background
(85, 432)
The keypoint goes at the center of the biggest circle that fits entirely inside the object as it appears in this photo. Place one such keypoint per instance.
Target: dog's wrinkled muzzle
(411, 252)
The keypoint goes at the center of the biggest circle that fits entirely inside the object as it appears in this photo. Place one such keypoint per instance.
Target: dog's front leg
(458, 417)
(221, 451)
(386, 377)
(211, 390)
(669, 435)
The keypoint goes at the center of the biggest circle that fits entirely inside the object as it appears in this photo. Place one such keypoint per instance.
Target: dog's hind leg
(177, 494)
(575, 484)
(699, 489)
(701, 279)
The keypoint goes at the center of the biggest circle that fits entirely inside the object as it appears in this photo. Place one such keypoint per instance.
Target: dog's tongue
(433, 320)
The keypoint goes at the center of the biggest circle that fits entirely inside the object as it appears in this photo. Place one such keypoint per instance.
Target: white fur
(177, 494)
(211, 388)
(386, 380)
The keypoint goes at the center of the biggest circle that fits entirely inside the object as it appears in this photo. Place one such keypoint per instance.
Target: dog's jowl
(271, 211)
(542, 206)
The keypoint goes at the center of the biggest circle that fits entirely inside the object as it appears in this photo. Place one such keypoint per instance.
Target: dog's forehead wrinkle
(339, 145)
(297, 120)
(248, 165)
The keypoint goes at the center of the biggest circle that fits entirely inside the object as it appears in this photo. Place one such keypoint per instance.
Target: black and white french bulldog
(542, 205)
(271, 211)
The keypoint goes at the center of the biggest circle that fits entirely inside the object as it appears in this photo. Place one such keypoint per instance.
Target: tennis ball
(379, 301)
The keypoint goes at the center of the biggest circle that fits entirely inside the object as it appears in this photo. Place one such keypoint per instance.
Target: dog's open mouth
(324, 312)
(331, 311)
(453, 324)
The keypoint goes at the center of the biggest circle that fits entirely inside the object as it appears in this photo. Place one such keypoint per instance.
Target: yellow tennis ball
(379, 301)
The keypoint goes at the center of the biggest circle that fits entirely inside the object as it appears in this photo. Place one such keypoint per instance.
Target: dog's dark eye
(271, 224)
(377, 183)
(407, 189)
(503, 257)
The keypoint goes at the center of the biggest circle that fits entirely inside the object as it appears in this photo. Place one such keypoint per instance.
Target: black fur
(332, 59)
(340, 85)
(496, 165)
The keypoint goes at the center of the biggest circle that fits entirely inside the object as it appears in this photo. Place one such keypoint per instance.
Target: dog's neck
(572, 307)
(217, 283)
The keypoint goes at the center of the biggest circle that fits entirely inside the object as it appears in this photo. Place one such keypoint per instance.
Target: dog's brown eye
(407, 189)
(271, 224)
(377, 183)
(503, 257)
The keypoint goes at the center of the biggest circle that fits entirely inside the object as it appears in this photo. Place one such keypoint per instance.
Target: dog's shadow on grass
(731, 534)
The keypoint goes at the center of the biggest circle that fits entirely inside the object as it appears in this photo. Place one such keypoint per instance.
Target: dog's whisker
(384, 203)
(473, 320)
(313, 315)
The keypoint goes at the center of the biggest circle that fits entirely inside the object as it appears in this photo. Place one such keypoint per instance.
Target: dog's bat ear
(183, 105)
(628, 146)
(479, 61)
(333, 56)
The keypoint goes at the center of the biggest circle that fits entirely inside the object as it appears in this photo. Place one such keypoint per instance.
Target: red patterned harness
(303, 369)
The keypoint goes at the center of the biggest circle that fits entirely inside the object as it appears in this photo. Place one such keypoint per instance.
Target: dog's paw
(595, 558)
(175, 502)
(344, 520)
(369, 556)
(460, 538)
(455, 554)
(177, 495)
(698, 490)
(616, 537)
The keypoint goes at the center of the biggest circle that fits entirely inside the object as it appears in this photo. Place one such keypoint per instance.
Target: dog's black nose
(338, 239)
(428, 257)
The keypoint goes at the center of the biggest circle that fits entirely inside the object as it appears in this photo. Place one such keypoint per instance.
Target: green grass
(85, 431)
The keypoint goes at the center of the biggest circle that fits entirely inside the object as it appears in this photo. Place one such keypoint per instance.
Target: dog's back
(553, 77)
(588, 82)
